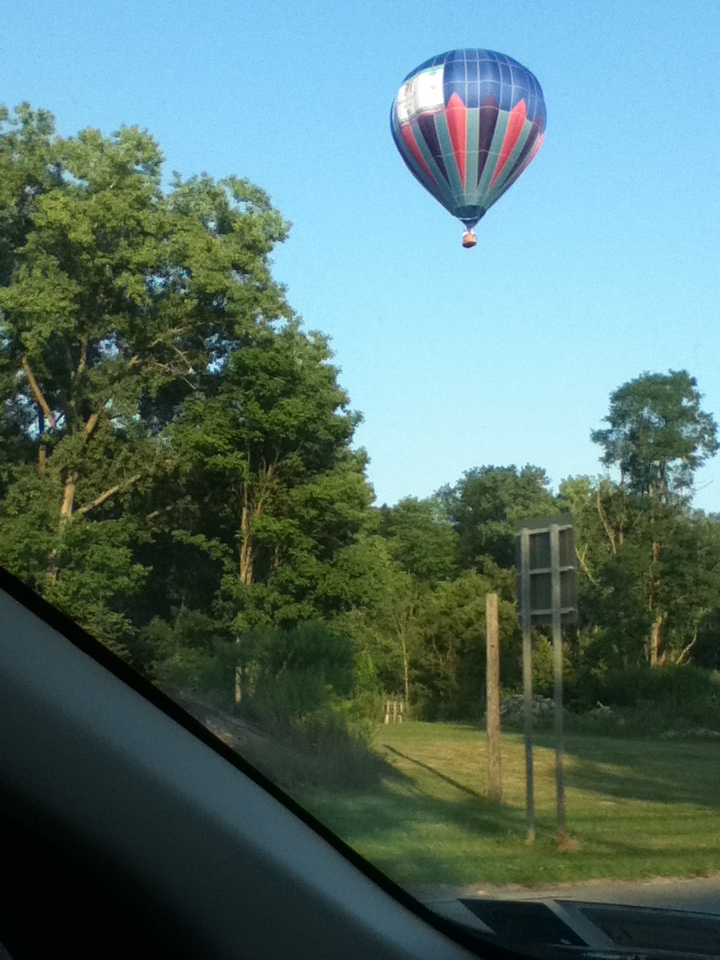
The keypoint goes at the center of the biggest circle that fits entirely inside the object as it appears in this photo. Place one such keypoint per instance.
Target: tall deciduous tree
(485, 505)
(270, 489)
(385, 616)
(657, 434)
(421, 538)
(117, 303)
(649, 576)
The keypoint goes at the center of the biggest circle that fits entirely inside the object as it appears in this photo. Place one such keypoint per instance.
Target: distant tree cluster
(177, 468)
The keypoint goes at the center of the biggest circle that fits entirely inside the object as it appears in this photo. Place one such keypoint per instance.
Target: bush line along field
(638, 809)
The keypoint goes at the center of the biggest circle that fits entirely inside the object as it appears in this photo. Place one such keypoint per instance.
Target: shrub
(645, 701)
(206, 672)
(323, 751)
(299, 687)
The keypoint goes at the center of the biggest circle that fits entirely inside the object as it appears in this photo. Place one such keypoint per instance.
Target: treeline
(177, 468)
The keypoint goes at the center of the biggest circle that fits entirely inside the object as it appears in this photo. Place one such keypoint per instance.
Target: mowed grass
(637, 809)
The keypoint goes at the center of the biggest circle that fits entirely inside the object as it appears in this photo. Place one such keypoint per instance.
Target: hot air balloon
(467, 123)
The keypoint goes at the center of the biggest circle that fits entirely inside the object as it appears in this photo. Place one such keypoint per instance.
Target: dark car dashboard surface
(571, 928)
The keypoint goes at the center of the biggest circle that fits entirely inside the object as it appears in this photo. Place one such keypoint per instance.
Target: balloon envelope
(467, 123)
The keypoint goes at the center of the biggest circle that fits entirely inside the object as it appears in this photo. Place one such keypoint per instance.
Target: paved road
(701, 894)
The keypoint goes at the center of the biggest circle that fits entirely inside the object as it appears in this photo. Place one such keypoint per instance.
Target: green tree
(485, 505)
(614, 571)
(272, 489)
(649, 576)
(27, 170)
(386, 619)
(657, 434)
(421, 538)
(451, 670)
(118, 302)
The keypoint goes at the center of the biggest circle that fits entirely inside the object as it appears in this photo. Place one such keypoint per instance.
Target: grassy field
(637, 809)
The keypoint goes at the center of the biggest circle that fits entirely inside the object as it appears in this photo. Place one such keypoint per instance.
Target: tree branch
(104, 497)
(83, 356)
(582, 560)
(42, 402)
(160, 511)
(603, 519)
(92, 423)
(93, 420)
(687, 650)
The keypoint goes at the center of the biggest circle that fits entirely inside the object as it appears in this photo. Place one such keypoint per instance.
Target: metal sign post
(548, 595)
(527, 681)
(557, 678)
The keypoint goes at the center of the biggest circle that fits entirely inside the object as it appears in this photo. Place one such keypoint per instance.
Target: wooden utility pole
(493, 698)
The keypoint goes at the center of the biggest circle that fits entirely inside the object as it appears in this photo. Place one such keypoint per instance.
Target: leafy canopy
(657, 434)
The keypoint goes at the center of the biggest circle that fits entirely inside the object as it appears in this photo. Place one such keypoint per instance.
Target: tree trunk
(254, 497)
(406, 670)
(66, 510)
(246, 544)
(656, 659)
(606, 526)
(657, 625)
(42, 451)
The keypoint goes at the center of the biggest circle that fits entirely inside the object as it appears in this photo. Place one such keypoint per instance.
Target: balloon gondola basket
(469, 239)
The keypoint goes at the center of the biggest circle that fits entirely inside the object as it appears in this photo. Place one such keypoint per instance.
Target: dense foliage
(177, 471)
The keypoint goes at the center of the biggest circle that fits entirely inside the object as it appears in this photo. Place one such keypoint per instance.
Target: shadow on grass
(418, 838)
(658, 771)
(442, 776)
(431, 826)
(649, 771)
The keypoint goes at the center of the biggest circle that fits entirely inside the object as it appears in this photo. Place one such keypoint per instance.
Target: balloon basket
(469, 239)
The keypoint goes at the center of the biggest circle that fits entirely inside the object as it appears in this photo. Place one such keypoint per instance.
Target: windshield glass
(285, 473)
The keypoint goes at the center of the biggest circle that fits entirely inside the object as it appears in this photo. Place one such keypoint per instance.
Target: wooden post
(493, 698)
(527, 684)
(558, 678)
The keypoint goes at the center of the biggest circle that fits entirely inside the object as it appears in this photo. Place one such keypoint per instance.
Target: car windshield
(430, 535)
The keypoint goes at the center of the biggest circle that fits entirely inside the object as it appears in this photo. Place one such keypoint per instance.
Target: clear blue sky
(602, 262)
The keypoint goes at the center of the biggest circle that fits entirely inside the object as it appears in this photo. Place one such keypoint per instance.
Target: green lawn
(637, 808)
